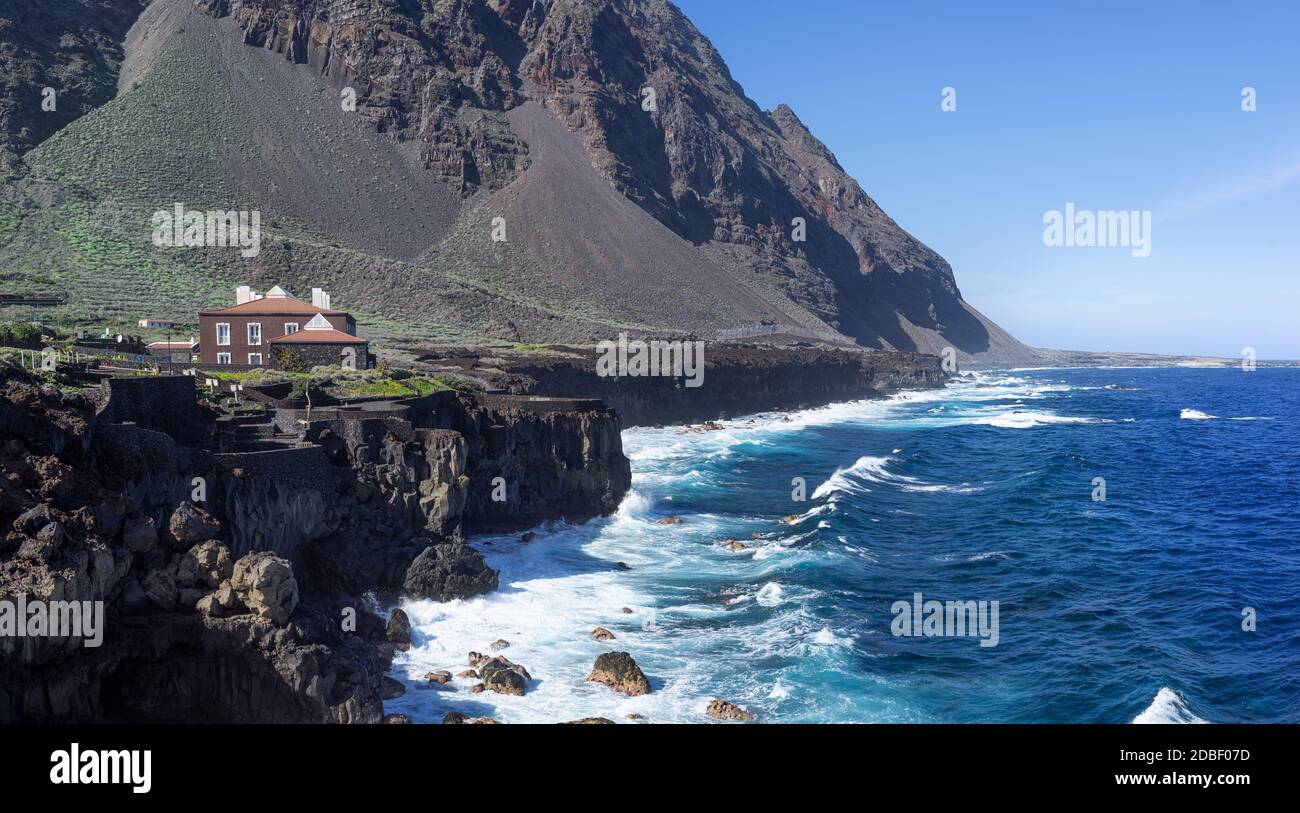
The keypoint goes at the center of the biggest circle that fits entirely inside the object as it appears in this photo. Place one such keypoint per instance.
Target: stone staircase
(249, 429)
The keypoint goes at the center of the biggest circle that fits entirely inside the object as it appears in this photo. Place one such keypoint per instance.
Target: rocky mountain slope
(639, 187)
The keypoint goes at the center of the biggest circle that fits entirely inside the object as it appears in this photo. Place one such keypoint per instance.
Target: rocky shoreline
(737, 380)
(246, 585)
(241, 586)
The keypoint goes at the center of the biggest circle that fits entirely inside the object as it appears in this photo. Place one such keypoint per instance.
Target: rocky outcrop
(247, 607)
(448, 572)
(618, 671)
(737, 381)
(398, 632)
(530, 460)
(436, 74)
(190, 525)
(720, 709)
(264, 583)
(504, 677)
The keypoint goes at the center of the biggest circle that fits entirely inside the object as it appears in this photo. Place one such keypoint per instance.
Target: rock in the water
(476, 658)
(265, 585)
(722, 710)
(504, 677)
(591, 721)
(733, 545)
(398, 631)
(468, 673)
(621, 566)
(627, 611)
(633, 716)
(456, 718)
(441, 677)
(499, 644)
(792, 519)
(670, 520)
(618, 671)
(190, 525)
(396, 719)
(390, 689)
(477, 688)
(528, 537)
(602, 634)
(447, 572)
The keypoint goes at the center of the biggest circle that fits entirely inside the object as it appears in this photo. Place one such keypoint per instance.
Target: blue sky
(1109, 105)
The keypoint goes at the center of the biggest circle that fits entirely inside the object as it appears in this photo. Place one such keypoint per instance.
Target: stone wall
(163, 403)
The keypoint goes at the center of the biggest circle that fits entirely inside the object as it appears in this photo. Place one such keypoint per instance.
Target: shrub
(20, 333)
(290, 360)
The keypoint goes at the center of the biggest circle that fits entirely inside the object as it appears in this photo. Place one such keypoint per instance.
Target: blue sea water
(1123, 610)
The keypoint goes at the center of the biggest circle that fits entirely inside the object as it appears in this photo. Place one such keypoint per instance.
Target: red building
(246, 332)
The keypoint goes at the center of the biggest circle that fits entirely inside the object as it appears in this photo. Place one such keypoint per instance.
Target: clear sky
(1109, 105)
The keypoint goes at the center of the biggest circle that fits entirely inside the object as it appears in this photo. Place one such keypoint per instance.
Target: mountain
(639, 188)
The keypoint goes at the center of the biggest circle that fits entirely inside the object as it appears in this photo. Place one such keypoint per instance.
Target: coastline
(258, 595)
(754, 624)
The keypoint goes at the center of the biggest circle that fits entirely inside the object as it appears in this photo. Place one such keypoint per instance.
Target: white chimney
(243, 294)
(320, 299)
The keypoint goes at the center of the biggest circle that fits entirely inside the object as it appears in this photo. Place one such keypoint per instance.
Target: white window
(290, 327)
(223, 334)
(254, 334)
(223, 358)
(255, 359)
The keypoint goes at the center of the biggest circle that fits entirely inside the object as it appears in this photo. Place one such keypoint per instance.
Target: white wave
(1167, 707)
(876, 470)
(1024, 419)
(841, 480)
(779, 691)
(1197, 415)
(770, 595)
(635, 504)
(825, 637)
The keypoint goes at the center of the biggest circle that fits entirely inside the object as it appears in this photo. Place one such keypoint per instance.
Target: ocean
(1175, 598)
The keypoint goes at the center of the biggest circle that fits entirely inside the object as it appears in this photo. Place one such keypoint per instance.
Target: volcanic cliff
(240, 586)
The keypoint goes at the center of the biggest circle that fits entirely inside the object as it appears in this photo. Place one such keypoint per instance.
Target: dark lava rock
(591, 721)
(618, 671)
(190, 525)
(722, 710)
(504, 677)
(448, 572)
(390, 689)
(398, 632)
(602, 634)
